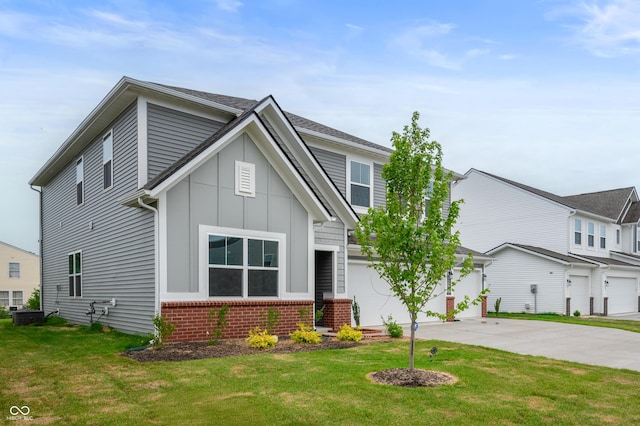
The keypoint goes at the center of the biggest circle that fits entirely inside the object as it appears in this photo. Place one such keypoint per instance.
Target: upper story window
(79, 181)
(75, 274)
(360, 184)
(107, 160)
(14, 270)
(637, 238)
(577, 232)
(603, 237)
(591, 234)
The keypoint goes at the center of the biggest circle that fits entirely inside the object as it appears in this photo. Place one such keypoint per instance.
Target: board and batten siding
(494, 212)
(207, 197)
(117, 242)
(172, 134)
(510, 277)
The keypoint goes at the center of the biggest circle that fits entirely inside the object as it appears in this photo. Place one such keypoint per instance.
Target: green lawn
(629, 325)
(69, 375)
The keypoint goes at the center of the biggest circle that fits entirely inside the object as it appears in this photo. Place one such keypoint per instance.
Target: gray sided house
(176, 202)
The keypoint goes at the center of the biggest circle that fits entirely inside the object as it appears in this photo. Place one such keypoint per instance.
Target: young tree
(409, 241)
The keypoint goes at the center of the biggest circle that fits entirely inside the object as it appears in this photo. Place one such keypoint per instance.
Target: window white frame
(17, 298)
(361, 181)
(107, 160)
(603, 236)
(591, 234)
(80, 181)
(14, 270)
(577, 232)
(74, 262)
(4, 297)
(245, 235)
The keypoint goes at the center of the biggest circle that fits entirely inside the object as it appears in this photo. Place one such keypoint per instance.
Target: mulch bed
(175, 352)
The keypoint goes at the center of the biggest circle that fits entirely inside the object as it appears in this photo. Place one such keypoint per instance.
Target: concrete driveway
(606, 347)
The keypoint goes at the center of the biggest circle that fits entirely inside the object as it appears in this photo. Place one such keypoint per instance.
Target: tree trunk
(412, 342)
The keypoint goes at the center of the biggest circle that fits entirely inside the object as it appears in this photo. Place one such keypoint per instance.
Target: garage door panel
(623, 295)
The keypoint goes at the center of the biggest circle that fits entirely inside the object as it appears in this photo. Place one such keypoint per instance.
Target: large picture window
(244, 265)
(75, 274)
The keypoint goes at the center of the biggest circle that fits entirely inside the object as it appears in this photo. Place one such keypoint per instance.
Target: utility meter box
(534, 288)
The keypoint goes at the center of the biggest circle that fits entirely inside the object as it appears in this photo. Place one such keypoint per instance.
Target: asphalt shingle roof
(548, 253)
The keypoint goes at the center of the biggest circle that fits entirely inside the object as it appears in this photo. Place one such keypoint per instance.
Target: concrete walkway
(601, 346)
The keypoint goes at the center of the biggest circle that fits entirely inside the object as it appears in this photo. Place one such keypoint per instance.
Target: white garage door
(375, 298)
(580, 294)
(471, 286)
(623, 295)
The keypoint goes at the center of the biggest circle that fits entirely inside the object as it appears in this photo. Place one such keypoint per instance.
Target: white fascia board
(316, 172)
(344, 142)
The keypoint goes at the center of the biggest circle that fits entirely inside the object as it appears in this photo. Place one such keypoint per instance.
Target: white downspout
(156, 226)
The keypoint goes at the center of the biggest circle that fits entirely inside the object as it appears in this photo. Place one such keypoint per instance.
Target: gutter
(156, 226)
(40, 245)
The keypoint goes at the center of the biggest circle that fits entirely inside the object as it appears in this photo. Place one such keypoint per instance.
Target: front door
(323, 278)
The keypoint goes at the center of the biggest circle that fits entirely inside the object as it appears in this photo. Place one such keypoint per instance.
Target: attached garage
(375, 298)
(622, 293)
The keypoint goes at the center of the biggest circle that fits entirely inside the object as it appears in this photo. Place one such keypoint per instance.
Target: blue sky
(543, 92)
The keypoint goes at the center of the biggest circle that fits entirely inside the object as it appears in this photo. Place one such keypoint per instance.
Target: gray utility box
(27, 316)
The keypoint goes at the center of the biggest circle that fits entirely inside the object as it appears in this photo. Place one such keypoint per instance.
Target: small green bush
(393, 328)
(220, 318)
(164, 329)
(261, 339)
(576, 313)
(304, 334)
(348, 333)
(34, 300)
(4, 314)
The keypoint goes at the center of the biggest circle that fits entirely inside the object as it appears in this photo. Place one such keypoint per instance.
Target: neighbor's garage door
(580, 294)
(471, 286)
(623, 295)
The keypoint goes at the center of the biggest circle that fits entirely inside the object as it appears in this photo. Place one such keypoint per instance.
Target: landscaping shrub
(164, 329)
(34, 300)
(393, 328)
(576, 313)
(304, 334)
(261, 339)
(348, 333)
(4, 314)
(220, 318)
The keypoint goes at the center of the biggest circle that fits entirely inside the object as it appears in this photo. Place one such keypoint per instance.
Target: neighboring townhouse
(553, 253)
(19, 275)
(175, 202)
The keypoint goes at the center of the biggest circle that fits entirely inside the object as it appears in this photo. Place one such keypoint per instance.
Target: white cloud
(229, 5)
(608, 29)
(417, 43)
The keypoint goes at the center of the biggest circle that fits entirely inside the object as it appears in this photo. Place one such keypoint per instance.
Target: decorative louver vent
(245, 179)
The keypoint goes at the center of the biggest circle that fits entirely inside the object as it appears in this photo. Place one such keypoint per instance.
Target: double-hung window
(14, 270)
(18, 298)
(75, 274)
(79, 181)
(360, 184)
(637, 238)
(591, 234)
(244, 265)
(603, 236)
(4, 298)
(107, 160)
(577, 232)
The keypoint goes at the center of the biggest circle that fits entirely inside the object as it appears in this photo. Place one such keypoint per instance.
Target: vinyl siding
(379, 186)
(172, 134)
(117, 242)
(335, 165)
(510, 277)
(494, 213)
